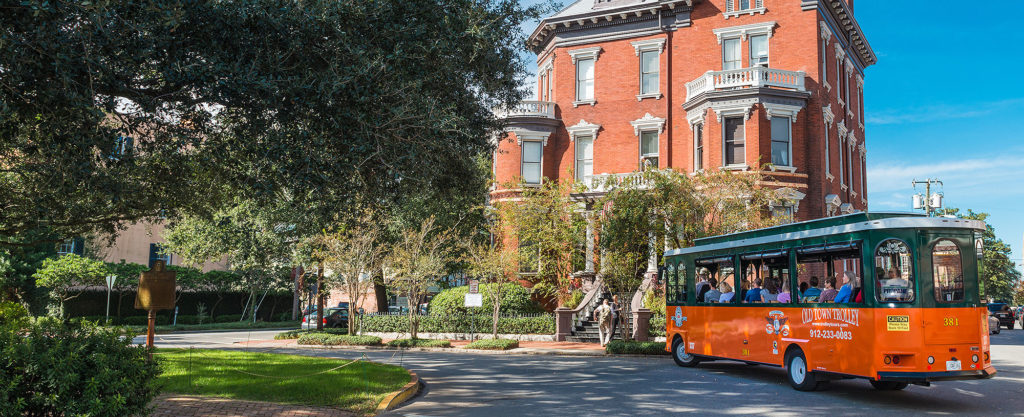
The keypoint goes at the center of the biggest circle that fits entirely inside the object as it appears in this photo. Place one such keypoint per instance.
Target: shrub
(515, 299)
(494, 344)
(161, 320)
(328, 339)
(13, 315)
(461, 323)
(295, 334)
(419, 343)
(187, 319)
(286, 316)
(633, 347)
(655, 301)
(574, 299)
(657, 326)
(55, 368)
(229, 317)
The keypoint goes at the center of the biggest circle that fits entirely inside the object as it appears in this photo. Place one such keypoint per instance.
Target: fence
(541, 323)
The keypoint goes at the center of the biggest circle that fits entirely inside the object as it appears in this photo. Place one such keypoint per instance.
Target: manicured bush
(229, 317)
(328, 339)
(187, 319)
(515, 299)
(13, 315)
(494, 344)
(57, 368)
(633, 347)
(419, 343)
(295, 334)
(286, 316)
(461, 323)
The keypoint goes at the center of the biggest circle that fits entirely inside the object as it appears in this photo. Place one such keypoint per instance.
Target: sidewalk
(174, 405)
(525, 347)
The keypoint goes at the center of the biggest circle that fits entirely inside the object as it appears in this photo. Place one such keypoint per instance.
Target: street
(464, 384)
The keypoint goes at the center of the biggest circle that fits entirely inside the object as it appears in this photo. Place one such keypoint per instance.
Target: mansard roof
(589, 12)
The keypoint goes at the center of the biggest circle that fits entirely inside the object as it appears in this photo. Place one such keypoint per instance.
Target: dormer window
(735, 8)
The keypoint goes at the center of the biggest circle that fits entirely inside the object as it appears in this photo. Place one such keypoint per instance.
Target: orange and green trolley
(889, 297)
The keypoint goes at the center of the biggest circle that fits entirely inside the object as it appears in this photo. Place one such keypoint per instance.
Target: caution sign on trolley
(897, 323)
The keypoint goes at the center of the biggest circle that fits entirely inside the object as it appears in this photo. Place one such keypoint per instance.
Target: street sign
(474, 287)
(474, 300)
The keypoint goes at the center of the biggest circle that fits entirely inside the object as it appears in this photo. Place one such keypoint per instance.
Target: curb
(517, 351)
(396, 398)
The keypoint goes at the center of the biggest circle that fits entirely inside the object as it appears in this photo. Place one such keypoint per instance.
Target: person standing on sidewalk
(603, 315)
(616, 308)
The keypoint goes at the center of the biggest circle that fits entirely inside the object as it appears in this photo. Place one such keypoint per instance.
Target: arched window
(894, 272)
(947, 272)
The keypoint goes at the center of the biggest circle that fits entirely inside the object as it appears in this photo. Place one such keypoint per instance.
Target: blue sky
(944, 101)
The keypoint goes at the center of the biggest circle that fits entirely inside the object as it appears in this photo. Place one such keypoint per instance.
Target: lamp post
(110, 283)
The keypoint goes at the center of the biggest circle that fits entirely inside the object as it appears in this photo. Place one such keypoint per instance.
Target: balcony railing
(745, 78)
(602, 183)
(530, 108)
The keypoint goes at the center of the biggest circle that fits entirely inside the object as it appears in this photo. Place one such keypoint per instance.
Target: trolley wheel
(798, 373)
(680, 355)
(888, 385)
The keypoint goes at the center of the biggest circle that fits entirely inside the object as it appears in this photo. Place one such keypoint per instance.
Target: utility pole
(928, 202)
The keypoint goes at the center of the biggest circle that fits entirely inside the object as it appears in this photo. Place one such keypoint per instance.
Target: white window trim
(846, 87)
(852, 144)
(577, 55)
(790, 112)
(829, 117)
(647, 123)
(575, 154)
(583, 128)
(640, 145)
(863, 173)
(791, 167)
(721, 120)
(841, 126)
(826, 38)
(648, 45)
(791, 197)
(840, 57)
(543, 143)
(767, 45)
(740, 43)
(764, 28)
(694, 128)
(732, 11)
(860, 101)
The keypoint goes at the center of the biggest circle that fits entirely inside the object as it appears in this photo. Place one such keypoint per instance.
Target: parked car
(337, 317)
(993, 323)
(1003, 313)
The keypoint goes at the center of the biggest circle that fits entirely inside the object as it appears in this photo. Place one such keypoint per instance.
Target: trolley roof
(828, 226)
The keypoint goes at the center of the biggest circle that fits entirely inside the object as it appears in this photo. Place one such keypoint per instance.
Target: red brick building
(699, 85)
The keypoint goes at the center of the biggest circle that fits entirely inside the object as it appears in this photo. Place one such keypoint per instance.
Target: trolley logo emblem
(678, 318)
(777, 323)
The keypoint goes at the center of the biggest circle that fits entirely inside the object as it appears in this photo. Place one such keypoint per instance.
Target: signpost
(474, 299)
(110, 284)
(156, 292)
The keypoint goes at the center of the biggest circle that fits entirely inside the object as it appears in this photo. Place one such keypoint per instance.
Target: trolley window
(947, 272)
(766, 277)
(715, 281)
(822, 270)
(894, 272)
(676, 273)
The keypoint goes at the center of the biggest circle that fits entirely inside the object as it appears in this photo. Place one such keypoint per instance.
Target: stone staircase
(585, 330)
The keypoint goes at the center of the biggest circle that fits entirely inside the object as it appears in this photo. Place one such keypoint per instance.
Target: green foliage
(74, 368)
(328, 339)
(13, 315)
(515, 299)
(633, 347)
(997, 272)
(67, 276)
(295, 334)
(574, 300)
(420, 343)
(657, 326)
(229, 318)
(493, 344)
(655, 301)
(461, 323)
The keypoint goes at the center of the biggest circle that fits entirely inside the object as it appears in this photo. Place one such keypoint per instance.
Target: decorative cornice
(841, 126)
(860, 81)
(733, 108)
(826, 34)
(849, 66)
(528, 135)
(583, 129)
(657, 44)
(826, 112)
(648, 122)
(764, 28)
(610, 16)
(840, 52)
(585, 53)
(782, 110)
(549, 64)
(862, 150)
(696, 115)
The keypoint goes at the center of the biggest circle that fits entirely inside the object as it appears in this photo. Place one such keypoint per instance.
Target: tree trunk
(295, 297)
(320, 297)
(413, 320)
(497, 310)
(380, 291)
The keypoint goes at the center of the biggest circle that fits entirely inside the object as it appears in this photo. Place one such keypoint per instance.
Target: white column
(590, 241)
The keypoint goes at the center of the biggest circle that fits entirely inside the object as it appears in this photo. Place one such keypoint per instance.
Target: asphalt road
(459, 384)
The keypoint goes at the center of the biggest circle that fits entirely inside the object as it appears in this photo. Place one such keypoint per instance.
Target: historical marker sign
(474, 300)
(474, 286)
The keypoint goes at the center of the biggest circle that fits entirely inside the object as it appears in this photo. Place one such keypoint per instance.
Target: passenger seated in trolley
(726, 289)
(785, 296)
(754, 293)
(702, 283)
(713, 294)
(812, 293)
(845, 294)
(770, 293)
(830, 291)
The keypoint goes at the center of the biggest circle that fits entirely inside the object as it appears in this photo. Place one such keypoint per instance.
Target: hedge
(419, 343)
(494, 344)
(229, 317)
(515, 300)
(635, 348)
(461, 323)
(657, 326)
(74, 368)
(328, 339)
(295, 334)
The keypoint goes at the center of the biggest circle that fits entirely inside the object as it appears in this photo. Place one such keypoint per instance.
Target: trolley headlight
(987, 358)
(931, 360)
(895, 359)
(887, 359)
(974, 357)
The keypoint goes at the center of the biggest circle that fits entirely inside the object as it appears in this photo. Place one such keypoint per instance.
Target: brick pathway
(193, 406)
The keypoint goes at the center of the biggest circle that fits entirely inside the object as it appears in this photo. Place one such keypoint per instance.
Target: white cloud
(939, 112)
(964, 181)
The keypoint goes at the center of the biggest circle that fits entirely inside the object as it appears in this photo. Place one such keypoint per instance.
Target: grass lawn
(358, 387)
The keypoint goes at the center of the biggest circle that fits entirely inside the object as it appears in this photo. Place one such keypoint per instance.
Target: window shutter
(728, 6)
(758, 4)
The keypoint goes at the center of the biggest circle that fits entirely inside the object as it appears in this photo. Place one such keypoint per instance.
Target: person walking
(603, 315)
(616, 309)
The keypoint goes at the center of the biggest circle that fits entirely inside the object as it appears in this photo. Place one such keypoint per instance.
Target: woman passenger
(785, 296)
(845, 294)
(830, 291)
(727, 292)
(770, 293)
